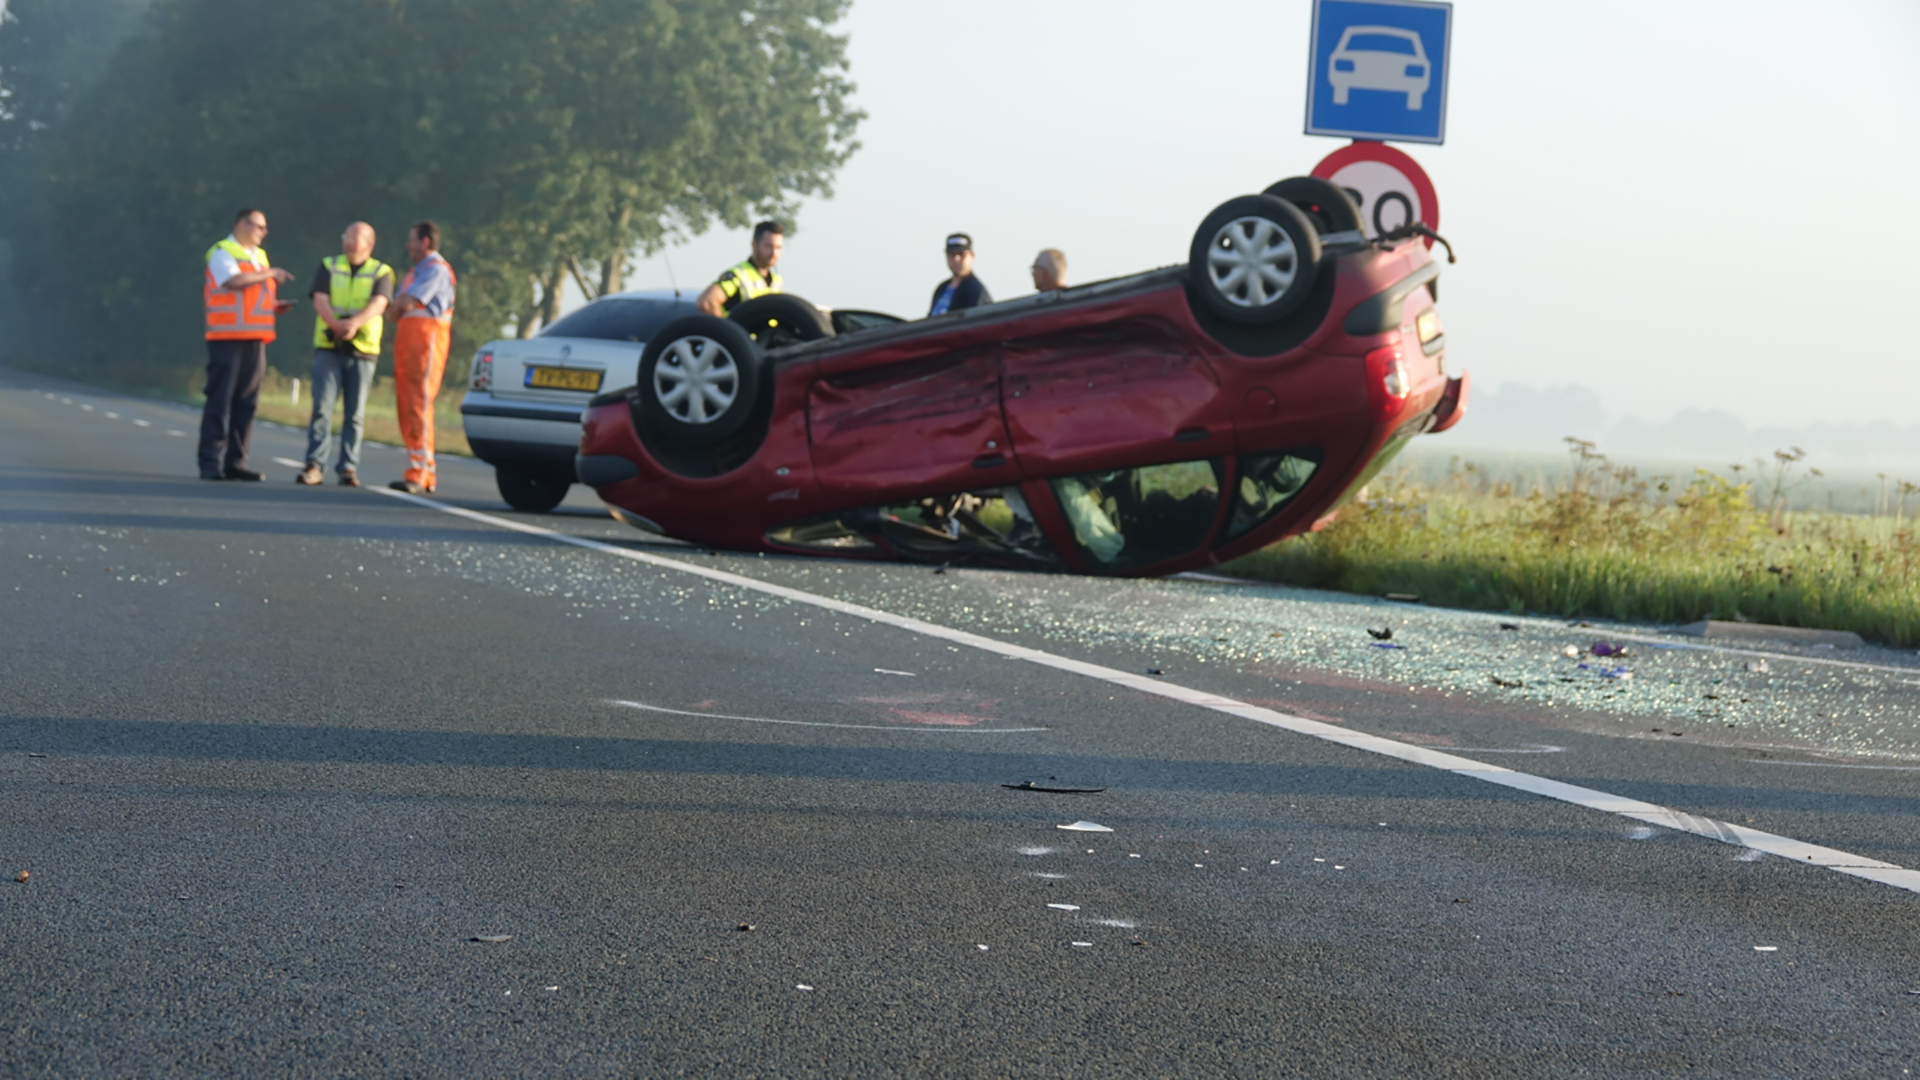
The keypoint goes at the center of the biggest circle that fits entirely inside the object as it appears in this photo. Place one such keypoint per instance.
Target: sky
(1679, 205)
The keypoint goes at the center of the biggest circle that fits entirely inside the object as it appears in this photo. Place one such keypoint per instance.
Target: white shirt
(223, 266)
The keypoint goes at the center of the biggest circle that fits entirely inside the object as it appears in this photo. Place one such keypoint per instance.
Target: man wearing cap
(962, 290)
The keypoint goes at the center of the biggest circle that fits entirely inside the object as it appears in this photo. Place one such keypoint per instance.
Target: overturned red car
(1143, 425)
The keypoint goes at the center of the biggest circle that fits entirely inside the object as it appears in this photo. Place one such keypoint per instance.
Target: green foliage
(548, 137)
(1613, 545)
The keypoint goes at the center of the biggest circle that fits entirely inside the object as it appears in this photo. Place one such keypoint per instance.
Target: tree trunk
(550, 297)
(613, 268)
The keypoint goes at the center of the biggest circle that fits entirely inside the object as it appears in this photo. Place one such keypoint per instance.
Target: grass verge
(1610, 544)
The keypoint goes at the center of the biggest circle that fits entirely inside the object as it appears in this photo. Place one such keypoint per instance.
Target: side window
(1133, 517)
(990, 527)
(1268, 482)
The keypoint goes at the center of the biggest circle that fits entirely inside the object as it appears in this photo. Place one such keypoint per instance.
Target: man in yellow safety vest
(350, 292)
(753, 278)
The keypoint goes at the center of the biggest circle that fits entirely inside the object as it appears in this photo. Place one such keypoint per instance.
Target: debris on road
(1509, 626)
(1083, 944)
(1383, 634)
(1154, 671)
(1028, 785)
(982, 948)
(890, 671)
(1571, 652)
(801, 986)
(1084, 826)
(746, 927)
(22, 877)
(1064, 907)
(1608, 648)
(1506, 684)
(1766, 948)
(1759, 667)
(491, 939)
(1388, 645)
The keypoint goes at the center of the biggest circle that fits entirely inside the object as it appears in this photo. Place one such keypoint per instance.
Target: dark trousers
(234, 371)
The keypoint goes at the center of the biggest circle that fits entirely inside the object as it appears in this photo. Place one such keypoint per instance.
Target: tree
(550, 138)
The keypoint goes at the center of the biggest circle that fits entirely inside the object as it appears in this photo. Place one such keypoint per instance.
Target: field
(1603, 540)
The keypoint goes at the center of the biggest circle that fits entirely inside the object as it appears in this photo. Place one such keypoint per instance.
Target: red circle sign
(1390, 188)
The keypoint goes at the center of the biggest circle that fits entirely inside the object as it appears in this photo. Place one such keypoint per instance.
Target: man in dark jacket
(962, 290)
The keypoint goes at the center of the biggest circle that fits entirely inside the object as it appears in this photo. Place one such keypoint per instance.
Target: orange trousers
(419, 360)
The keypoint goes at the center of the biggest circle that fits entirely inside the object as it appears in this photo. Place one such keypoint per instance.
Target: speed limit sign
(1390, 188)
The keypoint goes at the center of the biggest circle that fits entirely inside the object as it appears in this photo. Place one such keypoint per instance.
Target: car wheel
(1329, 207)
(1254, 259)
(530, 488)
(700, 379)
(779, 320)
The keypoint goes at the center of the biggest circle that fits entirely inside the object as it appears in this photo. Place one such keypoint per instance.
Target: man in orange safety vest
(422, 332)
(241, 295)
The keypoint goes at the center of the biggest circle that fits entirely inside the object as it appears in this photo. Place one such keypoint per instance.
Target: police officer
(751, 279)
(962, 290)
(350, 293)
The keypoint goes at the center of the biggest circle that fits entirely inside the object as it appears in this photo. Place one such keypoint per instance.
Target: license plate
(559, 378)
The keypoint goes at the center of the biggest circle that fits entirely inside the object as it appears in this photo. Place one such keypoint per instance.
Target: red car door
(1108, 396)
(926, 426)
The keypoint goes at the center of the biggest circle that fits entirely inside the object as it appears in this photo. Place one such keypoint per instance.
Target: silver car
(525, 396)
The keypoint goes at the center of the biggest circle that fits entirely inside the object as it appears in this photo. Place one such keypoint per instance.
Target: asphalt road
(324, 782)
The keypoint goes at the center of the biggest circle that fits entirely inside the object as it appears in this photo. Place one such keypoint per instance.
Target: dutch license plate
(559, 378)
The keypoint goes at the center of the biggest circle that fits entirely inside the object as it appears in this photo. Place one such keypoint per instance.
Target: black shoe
(209, 474)
(234, 472)
(408, 486)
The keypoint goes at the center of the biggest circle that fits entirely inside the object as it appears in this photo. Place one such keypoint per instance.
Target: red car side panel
(930, 425)
(1073, 404)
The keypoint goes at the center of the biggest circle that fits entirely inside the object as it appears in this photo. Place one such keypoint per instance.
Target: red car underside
(1112, 428)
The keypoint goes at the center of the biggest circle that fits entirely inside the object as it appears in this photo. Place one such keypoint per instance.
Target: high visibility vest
(350, 291)
(453, 279)
(744, 282)
(246, 315)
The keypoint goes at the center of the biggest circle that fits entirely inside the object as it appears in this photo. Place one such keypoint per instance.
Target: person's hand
(284, 305)
(281, 274)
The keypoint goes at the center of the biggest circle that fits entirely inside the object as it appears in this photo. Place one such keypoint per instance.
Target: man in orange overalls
(422, 332)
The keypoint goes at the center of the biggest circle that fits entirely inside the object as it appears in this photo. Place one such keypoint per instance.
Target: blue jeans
(351, 378)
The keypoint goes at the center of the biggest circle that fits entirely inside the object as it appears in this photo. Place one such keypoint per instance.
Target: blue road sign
(1379, 70)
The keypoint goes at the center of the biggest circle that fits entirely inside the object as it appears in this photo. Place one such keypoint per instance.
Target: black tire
(730, 368)
(782, 319)
(532, 488)
(1326, 204)
(1237, 278)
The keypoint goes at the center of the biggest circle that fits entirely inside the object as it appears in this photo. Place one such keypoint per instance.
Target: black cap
(959, 242)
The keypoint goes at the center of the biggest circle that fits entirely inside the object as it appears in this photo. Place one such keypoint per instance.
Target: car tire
(779, 320)
(1254, 260)
(1325, 203)
(531, 488)
(700, 379)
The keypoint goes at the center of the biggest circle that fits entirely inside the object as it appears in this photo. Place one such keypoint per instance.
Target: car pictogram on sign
(1380, 58)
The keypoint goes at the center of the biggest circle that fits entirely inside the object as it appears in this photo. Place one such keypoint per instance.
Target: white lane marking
(1834, 765)
(1533, 748)
(1786, 847)
(890, 671)
(111, 415)
(172, 431)
(822, 723)
(143, 423)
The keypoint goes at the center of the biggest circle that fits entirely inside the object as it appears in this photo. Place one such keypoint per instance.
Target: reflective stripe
(744, 282)
(349, 293)
(246, 315)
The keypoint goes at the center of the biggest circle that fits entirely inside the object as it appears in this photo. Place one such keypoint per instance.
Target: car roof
(1388, 31)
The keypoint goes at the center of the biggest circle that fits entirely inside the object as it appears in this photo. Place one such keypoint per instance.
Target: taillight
(1388, 383)
(481, 377)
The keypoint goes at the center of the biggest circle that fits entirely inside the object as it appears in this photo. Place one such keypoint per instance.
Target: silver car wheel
(1252, 262)
(696, 380)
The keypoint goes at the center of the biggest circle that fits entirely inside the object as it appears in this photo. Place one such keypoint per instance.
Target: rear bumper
(516, 431)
